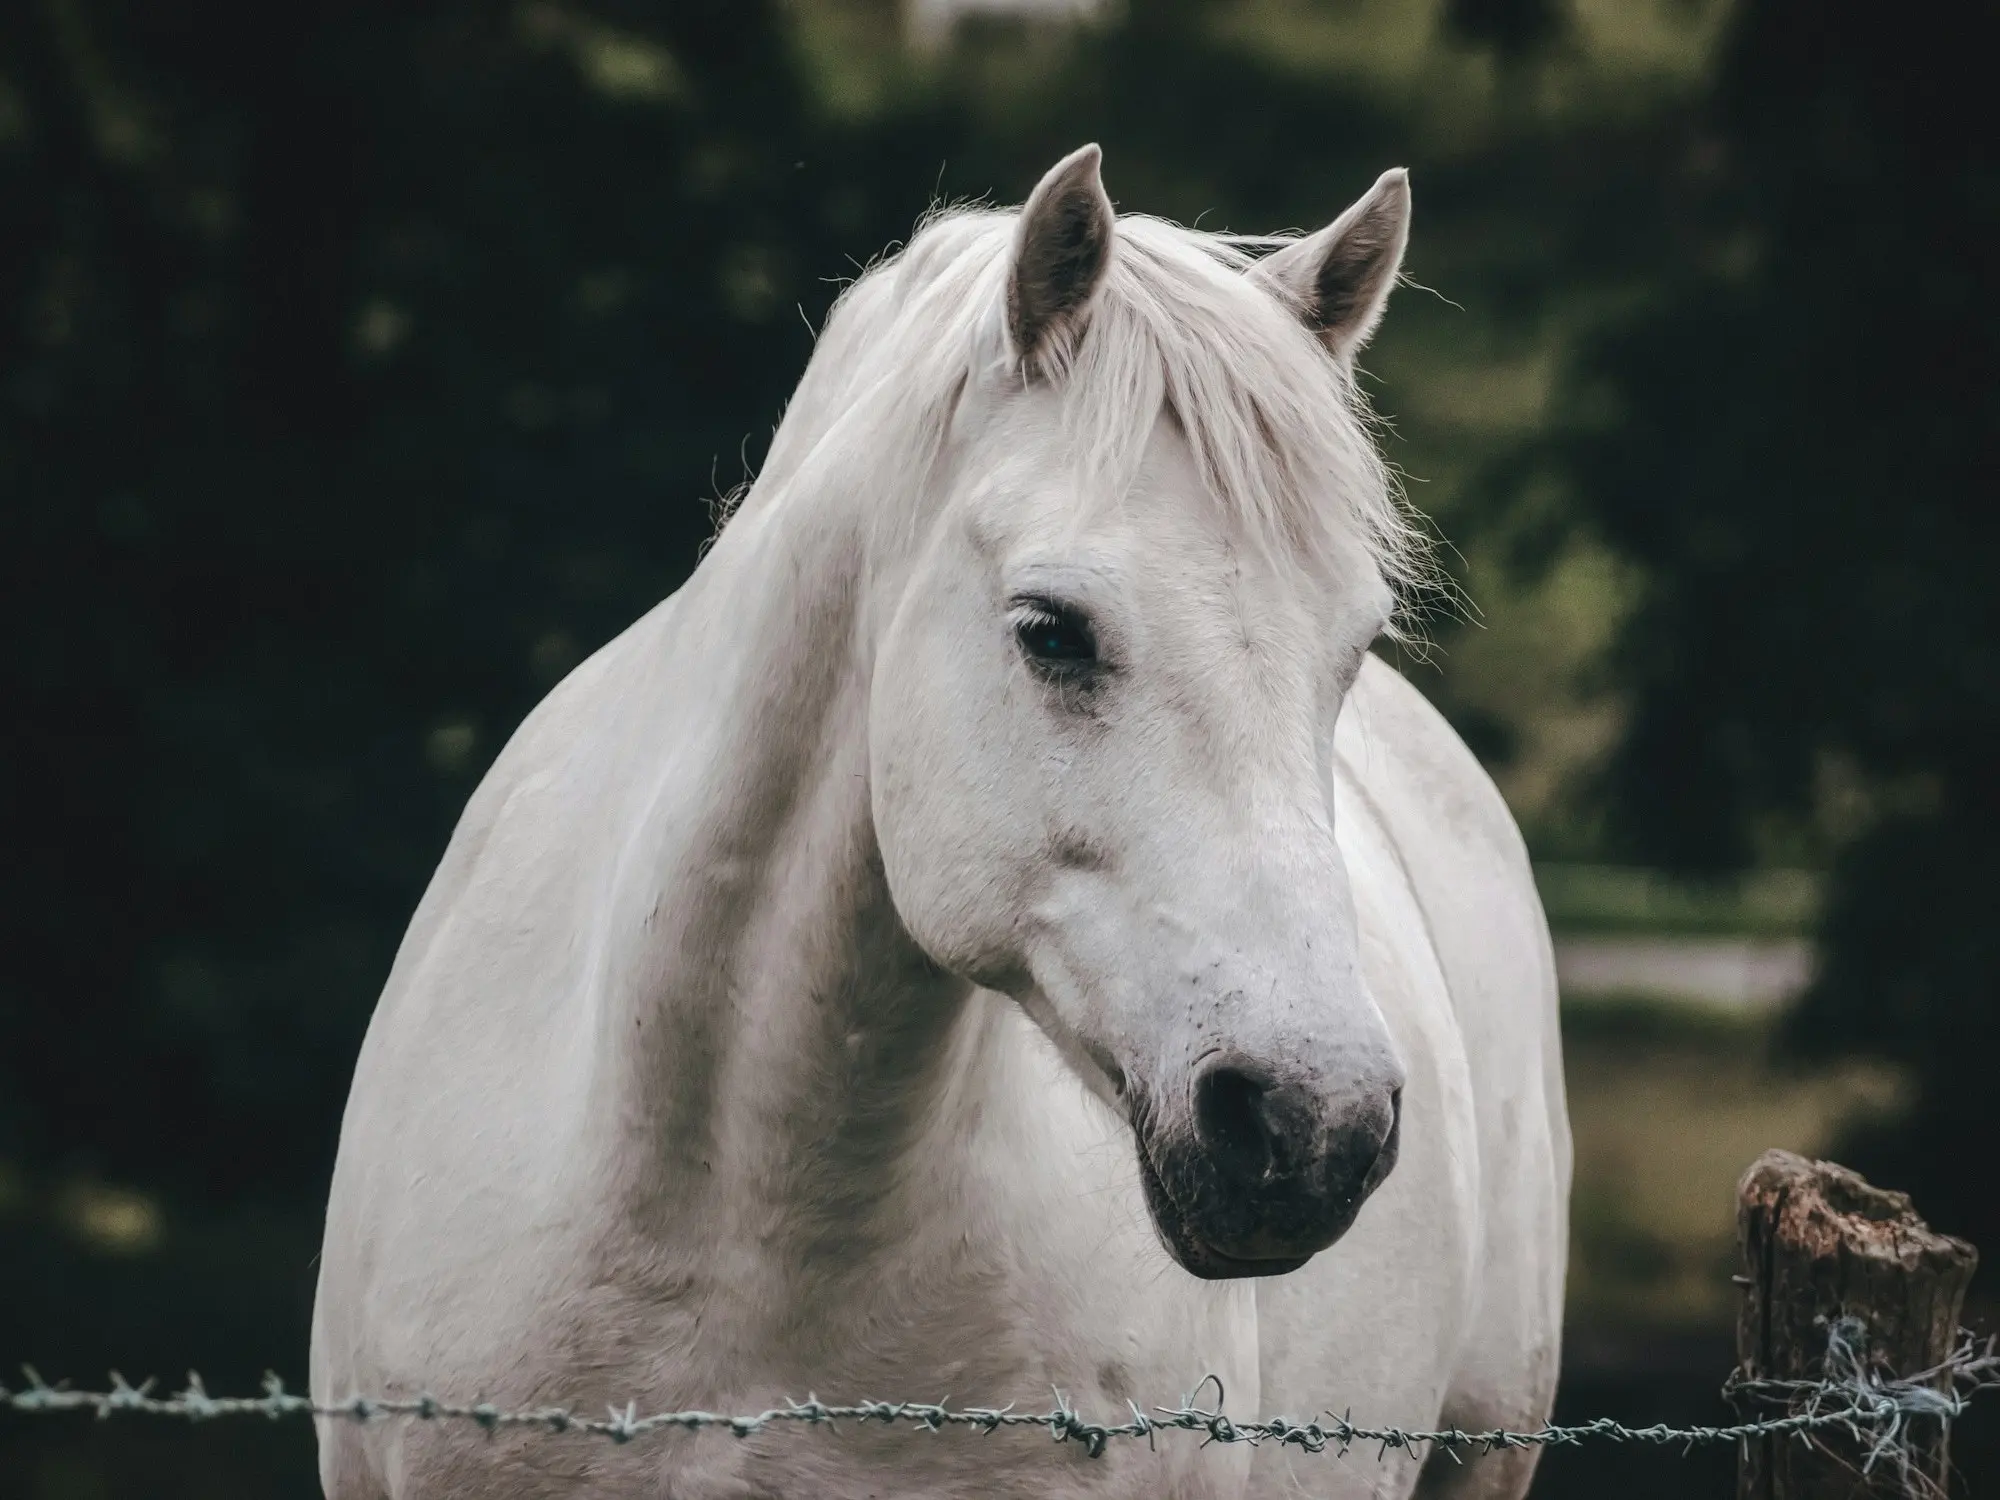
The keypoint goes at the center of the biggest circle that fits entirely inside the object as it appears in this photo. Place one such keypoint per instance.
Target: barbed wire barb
(1852, 1398)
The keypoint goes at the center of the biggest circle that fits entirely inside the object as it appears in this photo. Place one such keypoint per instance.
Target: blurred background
(363, 366)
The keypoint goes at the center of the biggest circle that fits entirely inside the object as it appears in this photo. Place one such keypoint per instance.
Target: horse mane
(1277, 425)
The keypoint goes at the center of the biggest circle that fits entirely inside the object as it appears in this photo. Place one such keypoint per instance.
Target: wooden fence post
(1820, 1243)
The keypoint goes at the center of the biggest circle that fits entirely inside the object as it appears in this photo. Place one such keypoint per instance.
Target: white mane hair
(1276, 423)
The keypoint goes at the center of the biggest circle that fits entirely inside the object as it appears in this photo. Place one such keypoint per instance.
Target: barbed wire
(1939, 1393)
(1853, 1399)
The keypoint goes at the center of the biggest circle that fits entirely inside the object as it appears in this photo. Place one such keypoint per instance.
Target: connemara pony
(995, 929)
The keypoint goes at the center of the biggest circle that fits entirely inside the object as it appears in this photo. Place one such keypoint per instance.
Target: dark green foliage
(1512, 28)
(1804, 457)
(364, 366)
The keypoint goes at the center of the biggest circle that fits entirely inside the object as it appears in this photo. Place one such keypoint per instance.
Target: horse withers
(995, 929)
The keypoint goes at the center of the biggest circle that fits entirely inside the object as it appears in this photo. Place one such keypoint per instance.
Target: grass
(1615, 899)
(1668, 1106)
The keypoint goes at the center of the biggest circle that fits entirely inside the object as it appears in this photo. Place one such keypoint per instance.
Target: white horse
(990, 931)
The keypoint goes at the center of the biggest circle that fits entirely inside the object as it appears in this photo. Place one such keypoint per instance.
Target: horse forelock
(1278, 427)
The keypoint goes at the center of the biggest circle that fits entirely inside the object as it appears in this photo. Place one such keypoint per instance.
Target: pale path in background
(1738, 973)
(996, 928)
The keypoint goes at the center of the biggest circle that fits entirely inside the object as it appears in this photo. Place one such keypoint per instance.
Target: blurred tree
(363, 365)
(1798, 441)
(1512, 28)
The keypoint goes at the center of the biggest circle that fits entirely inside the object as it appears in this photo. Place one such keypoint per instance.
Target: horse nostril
(1231, 1117)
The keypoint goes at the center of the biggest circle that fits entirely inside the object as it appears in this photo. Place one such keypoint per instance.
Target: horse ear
(1061, 252)
(1339, 279)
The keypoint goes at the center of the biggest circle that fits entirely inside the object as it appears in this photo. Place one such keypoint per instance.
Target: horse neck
(771, 1041)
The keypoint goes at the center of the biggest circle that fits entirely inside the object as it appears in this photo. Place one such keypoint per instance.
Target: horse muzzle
(1267, 1171)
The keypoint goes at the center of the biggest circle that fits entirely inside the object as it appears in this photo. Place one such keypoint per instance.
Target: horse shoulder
(1465, 860)
(1468, 868)
(449, 1123)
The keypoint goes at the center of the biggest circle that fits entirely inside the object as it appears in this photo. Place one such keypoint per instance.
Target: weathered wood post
(1820, 1243)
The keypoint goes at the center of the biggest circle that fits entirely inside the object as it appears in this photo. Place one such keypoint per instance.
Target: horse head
(1103, 700)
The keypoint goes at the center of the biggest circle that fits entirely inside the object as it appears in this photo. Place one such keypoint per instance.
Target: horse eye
(1052, 634)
